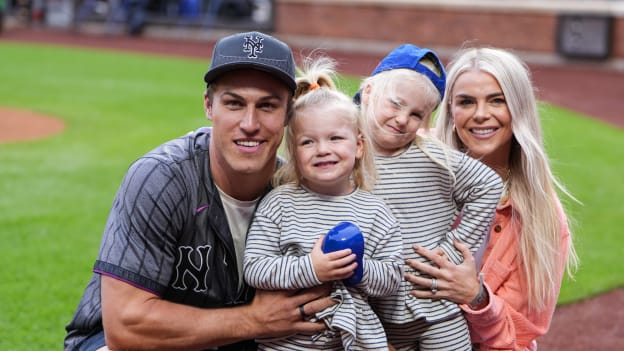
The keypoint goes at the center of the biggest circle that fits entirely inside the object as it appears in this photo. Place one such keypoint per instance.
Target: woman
(490, 112)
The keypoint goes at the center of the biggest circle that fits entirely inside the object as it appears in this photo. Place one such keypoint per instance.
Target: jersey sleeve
(139, 237)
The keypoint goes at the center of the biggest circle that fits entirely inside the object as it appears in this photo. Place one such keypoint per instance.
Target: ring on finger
(304, 316)
(434, 285)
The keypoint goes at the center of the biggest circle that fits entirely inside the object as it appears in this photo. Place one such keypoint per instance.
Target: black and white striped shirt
(288, 222)
(426, 200)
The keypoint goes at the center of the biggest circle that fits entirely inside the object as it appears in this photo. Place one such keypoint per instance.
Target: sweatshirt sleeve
(383, 271)
(264, 264)
(477, 192)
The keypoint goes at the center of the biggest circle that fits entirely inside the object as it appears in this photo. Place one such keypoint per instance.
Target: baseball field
(55, 192)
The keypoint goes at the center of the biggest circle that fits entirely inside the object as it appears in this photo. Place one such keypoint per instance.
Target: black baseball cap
(253, 50)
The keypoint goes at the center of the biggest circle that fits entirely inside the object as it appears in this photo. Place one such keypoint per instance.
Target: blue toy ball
(346, 235)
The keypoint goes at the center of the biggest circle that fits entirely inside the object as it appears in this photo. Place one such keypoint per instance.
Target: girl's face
(397, 116)
(482, 118)
(326, 148)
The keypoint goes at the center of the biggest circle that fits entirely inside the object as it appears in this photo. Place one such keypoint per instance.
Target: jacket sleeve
(506, 322)
(477, 191)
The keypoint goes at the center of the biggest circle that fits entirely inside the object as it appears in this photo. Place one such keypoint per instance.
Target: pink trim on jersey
(126, 281)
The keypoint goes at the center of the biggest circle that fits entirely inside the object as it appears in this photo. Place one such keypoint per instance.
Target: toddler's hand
(335, 265)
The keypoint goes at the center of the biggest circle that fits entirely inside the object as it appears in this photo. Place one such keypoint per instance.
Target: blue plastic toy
(346, 235)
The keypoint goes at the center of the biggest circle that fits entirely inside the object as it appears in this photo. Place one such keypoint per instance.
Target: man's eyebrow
(231, 94)
(263, 98)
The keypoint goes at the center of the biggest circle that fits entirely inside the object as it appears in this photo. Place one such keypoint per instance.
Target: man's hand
(277, 313)
(135, 319)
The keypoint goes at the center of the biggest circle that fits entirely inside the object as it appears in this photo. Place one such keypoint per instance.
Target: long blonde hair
(531, 183)
(316, 87)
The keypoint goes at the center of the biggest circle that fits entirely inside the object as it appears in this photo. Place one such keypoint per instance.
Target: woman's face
(482, 118)
(397, 117)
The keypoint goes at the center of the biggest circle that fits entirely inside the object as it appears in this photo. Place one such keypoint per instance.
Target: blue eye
(499, 101)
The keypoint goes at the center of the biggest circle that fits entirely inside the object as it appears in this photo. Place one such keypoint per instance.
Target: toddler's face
(327, 145)
(398, 115)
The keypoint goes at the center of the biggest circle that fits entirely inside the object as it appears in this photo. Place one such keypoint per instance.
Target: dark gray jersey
(167, 233)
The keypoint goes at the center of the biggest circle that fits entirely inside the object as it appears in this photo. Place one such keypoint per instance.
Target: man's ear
(208, 107)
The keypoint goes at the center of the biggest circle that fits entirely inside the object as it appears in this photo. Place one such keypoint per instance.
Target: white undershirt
(239, 215)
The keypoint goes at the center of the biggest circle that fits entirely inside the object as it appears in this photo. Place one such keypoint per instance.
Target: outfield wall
(529, 26)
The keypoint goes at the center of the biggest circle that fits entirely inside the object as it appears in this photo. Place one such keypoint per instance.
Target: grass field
(56, 192)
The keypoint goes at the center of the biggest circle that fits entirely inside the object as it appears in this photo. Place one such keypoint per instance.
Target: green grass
(56, 192)
(587, 156)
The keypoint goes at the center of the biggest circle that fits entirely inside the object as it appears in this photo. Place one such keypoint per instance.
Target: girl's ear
(366, 93)
(359, 153)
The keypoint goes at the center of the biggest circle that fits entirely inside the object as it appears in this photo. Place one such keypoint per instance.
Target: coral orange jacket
(506, 322)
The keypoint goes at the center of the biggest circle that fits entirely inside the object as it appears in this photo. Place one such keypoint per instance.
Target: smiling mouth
(394, 130)
(324, 164)
(482, 131)
(248, 143)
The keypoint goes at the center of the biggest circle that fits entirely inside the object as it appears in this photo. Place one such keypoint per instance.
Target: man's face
(248, 113)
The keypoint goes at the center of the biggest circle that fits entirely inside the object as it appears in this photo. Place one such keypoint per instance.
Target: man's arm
(136, 319)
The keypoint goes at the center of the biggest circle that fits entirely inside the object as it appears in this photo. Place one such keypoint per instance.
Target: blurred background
(553, 31)
(55, 193)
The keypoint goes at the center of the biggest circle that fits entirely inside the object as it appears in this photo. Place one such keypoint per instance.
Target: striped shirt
(426, 200)
(287, 223)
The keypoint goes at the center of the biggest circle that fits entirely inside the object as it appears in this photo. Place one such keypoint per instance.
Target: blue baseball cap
(409, 56)
(253, 50)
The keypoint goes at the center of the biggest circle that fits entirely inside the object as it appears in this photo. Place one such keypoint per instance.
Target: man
(168, 274)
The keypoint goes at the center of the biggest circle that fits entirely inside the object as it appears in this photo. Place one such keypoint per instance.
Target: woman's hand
(458, 283)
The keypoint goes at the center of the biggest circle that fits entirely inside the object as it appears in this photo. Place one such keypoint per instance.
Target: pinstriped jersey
(426, 200)
(286, 225)
(167, 234)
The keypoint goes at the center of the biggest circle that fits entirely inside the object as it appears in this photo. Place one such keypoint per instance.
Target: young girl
(427, 186)
(491, 114)
(325, 182)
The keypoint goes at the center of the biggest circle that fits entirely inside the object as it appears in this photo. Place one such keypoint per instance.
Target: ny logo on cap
(253, 47)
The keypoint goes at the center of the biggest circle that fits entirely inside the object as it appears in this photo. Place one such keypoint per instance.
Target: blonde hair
(316, 87)
(536, 207)
(385, 84)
